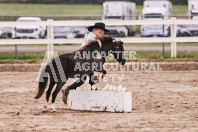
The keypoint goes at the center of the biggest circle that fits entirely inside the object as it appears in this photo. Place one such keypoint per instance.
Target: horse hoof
(53, 110)
(64, 96)
(95, 79)
(44, 111)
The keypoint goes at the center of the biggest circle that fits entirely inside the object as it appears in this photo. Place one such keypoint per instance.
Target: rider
(96, 32)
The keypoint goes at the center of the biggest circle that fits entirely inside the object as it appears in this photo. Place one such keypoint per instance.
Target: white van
(120, 10)
(29, 31)
(156, 9)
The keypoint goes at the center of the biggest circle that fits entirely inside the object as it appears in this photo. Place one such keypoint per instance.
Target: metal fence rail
(50, 41)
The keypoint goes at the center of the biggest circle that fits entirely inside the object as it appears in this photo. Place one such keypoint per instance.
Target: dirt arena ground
(164, 100)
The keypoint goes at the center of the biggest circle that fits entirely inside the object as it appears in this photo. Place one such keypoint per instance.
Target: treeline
(138, 2)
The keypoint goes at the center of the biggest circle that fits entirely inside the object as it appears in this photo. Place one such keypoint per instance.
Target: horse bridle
(117, 47)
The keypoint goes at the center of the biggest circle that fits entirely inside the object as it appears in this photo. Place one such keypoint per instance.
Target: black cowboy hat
(98, 25)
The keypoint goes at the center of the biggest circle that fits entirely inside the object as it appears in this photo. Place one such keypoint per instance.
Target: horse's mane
(104, 39)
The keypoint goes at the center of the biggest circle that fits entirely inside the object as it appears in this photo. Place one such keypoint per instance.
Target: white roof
(118, 2)
(29, 19)
(156, 0)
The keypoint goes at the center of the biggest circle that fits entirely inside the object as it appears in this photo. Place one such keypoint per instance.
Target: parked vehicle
(77, 32)
(6, 32)
(187, 30)
(62, 31)
(190, 29)
(30, 31)
(155, 30)
(192, 8)
(155, 9)
(120, 10)
(119, 31)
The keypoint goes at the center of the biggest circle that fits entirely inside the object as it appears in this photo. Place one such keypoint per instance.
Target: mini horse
(69, 66)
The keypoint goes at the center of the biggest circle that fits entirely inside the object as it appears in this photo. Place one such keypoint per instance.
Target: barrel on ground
(100, 101)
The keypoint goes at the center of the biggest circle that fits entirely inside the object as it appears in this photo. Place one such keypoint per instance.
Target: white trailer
(193, 8)
(156, 9)
(120, 10)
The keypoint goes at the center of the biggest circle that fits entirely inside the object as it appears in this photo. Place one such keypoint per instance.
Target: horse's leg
(91, 79)
(54, 94)
(76, 84)
(104, 72)
(52, 83)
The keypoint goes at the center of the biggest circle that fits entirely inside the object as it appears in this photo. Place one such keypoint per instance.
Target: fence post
(173, 36)
(50, 35)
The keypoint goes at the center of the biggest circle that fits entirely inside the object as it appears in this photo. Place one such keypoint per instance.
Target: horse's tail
(42, 82)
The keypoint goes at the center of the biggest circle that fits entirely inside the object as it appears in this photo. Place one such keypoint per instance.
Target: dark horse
(80, 63)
